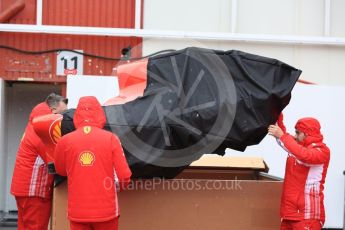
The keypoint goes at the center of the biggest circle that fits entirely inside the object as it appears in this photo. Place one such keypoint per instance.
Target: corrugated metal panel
(26, 16)
(42, 67)
(97, 13)
(105, 13)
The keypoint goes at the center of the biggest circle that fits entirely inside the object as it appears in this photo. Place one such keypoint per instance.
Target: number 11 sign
(69, 63)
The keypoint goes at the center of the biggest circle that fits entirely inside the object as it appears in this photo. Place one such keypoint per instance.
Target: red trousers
(301, 225)
(108, 225)
(33, 213)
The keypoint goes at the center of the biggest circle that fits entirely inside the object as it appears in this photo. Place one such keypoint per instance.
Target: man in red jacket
(31, 183)
(302, 205)
(91, 158)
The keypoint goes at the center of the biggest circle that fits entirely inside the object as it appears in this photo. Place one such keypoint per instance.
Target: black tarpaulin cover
(198, 101)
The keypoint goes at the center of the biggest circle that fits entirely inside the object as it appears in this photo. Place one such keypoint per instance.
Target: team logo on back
(87, 158)
(87, 129)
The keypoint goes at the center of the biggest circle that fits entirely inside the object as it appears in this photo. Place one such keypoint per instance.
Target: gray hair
(53, 100)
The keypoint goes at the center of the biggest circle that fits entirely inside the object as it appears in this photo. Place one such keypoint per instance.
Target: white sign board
(69, 63)
(326, 103)
(102, 87)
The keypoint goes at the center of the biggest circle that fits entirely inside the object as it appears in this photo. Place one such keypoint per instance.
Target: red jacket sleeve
(31, 141)
(280, 122)
(308, 155)
(59, 158)
(120, 164)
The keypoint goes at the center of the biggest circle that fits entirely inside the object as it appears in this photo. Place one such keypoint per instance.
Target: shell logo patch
(55, 131)
(87, 129)
(87, 158)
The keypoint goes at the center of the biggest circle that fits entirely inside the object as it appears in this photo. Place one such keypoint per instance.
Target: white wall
(191, 15)
(326, 104)
(298, 17)
(281, 17)
(337, 18)
(320, 64)
(3, 156)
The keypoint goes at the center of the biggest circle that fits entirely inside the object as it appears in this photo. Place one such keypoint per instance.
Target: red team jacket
(305, 173)
(30, 175)
(91, 158)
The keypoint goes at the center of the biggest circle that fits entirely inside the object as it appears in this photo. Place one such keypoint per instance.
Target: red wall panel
(95, 13)
(42, 67)
(26, 16)
(105, 13)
